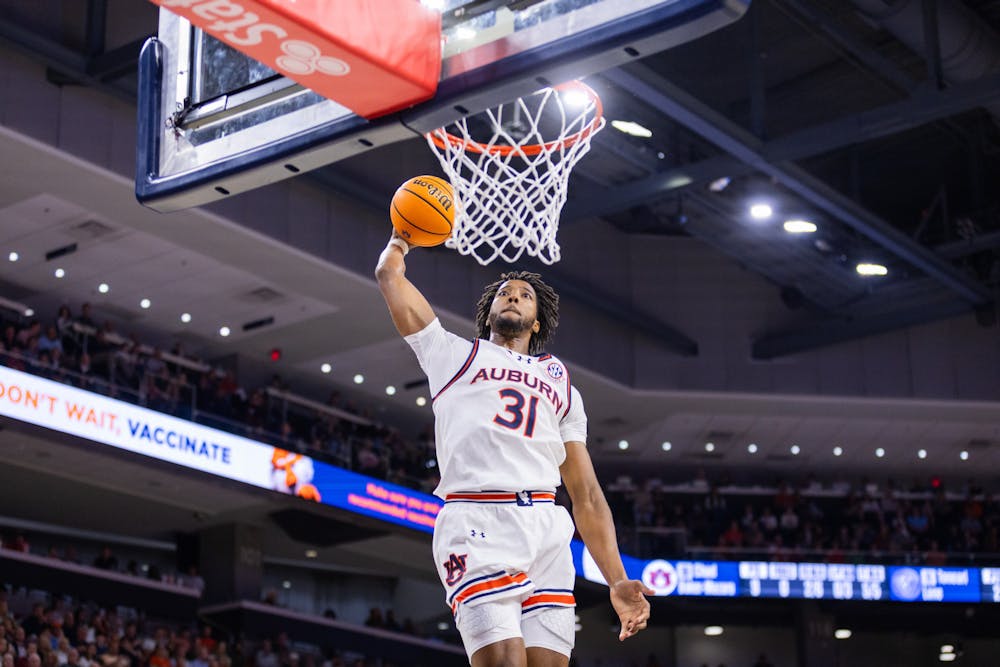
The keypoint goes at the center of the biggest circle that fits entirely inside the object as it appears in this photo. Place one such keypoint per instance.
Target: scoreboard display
(810, 581)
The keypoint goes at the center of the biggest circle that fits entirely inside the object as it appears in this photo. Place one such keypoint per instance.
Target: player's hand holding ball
(423, 211)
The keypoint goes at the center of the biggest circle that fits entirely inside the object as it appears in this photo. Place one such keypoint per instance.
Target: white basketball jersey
(501, 418)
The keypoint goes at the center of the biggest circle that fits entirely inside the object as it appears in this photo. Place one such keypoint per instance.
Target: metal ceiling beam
(828, 331)
(820, 21)
(924, 107)
(116, 63)
(605, 201)
(698, 117)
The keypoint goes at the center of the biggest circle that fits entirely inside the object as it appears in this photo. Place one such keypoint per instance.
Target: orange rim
(442, 139)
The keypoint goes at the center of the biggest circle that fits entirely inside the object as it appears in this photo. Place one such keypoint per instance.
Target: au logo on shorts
(455, 565)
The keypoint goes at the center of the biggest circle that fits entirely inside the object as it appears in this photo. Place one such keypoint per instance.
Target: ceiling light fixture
(720, 184)
(359, 378)
(964, 455)
(842, 633)
(59, 273)
(145, 303)
(421, 401)
(880, 452)
(709, 446)
(326, 368)
(752, 448)
(666, 446)
(761, 211)
(29, 312)
(13, 256)
(799, 227)
(623, 445)
(224, 331)
(632, 128)
(713, 630)
(103, 288)
(311, 553)
(837, 451)
(390, 390)
(185, 317)
(869, 269)
(922, 454)
(795, 449)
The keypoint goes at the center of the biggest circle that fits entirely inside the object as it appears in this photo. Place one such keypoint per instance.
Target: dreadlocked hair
(546, 302)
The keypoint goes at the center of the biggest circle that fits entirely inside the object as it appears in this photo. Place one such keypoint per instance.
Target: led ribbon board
(80, 413)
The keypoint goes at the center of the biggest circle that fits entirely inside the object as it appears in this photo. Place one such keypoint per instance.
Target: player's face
(514, 310)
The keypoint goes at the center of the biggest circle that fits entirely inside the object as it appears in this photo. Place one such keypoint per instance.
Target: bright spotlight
(752, 448)
(326, 368)
(795, 449)
(145, 304)
(359, 378)
(761, 211)
(837, 451)
(390, 390)
(799, 227)
(103, 288)
(185, 317)
(842, 633)
(627, 126)
(709, 446)
(964, 455)
(868, 269)
(421, 401)
(666, 446)
(713, 630)
(922, 454)
(224, 331)
(623, 445)
(880, 452)
(59, 273)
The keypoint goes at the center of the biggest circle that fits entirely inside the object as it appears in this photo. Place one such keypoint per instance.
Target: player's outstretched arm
(596, 525)
(409, 309)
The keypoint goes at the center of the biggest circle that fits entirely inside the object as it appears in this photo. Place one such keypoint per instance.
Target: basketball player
(508, 426)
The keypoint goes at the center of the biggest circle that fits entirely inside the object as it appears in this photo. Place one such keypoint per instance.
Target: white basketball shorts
(498, 546)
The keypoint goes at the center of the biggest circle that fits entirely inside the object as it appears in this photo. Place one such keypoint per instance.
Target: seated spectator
(50, 340)
(106, 559)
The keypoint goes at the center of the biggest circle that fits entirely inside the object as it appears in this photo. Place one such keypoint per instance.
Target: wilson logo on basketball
(443, 197)
(231, 22)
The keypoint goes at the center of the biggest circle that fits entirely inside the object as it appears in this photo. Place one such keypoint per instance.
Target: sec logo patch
(555, 371)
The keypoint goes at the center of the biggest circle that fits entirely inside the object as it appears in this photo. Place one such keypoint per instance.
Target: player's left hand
(628, 599)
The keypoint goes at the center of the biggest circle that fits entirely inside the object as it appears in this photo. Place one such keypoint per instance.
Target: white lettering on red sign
(234, 24)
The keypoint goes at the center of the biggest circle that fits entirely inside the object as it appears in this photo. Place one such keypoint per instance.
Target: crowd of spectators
(859, 523)
(62, 633)
(856, 523)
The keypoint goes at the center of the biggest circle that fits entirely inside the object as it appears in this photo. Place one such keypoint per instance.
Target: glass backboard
(213, 122)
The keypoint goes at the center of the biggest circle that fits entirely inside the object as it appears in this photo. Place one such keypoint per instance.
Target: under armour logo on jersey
(455, 565)
(554, 370)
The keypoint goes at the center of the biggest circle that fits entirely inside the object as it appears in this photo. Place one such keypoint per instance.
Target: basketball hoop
(512, 185)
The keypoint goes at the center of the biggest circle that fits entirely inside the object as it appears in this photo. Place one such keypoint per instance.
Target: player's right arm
(408, 308)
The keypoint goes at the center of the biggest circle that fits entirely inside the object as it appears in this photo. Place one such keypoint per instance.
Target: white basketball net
(511, 187)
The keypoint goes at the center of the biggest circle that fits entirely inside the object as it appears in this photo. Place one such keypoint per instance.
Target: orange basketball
(423, 210)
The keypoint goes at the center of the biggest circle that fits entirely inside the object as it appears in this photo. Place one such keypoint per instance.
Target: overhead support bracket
(698, 117)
